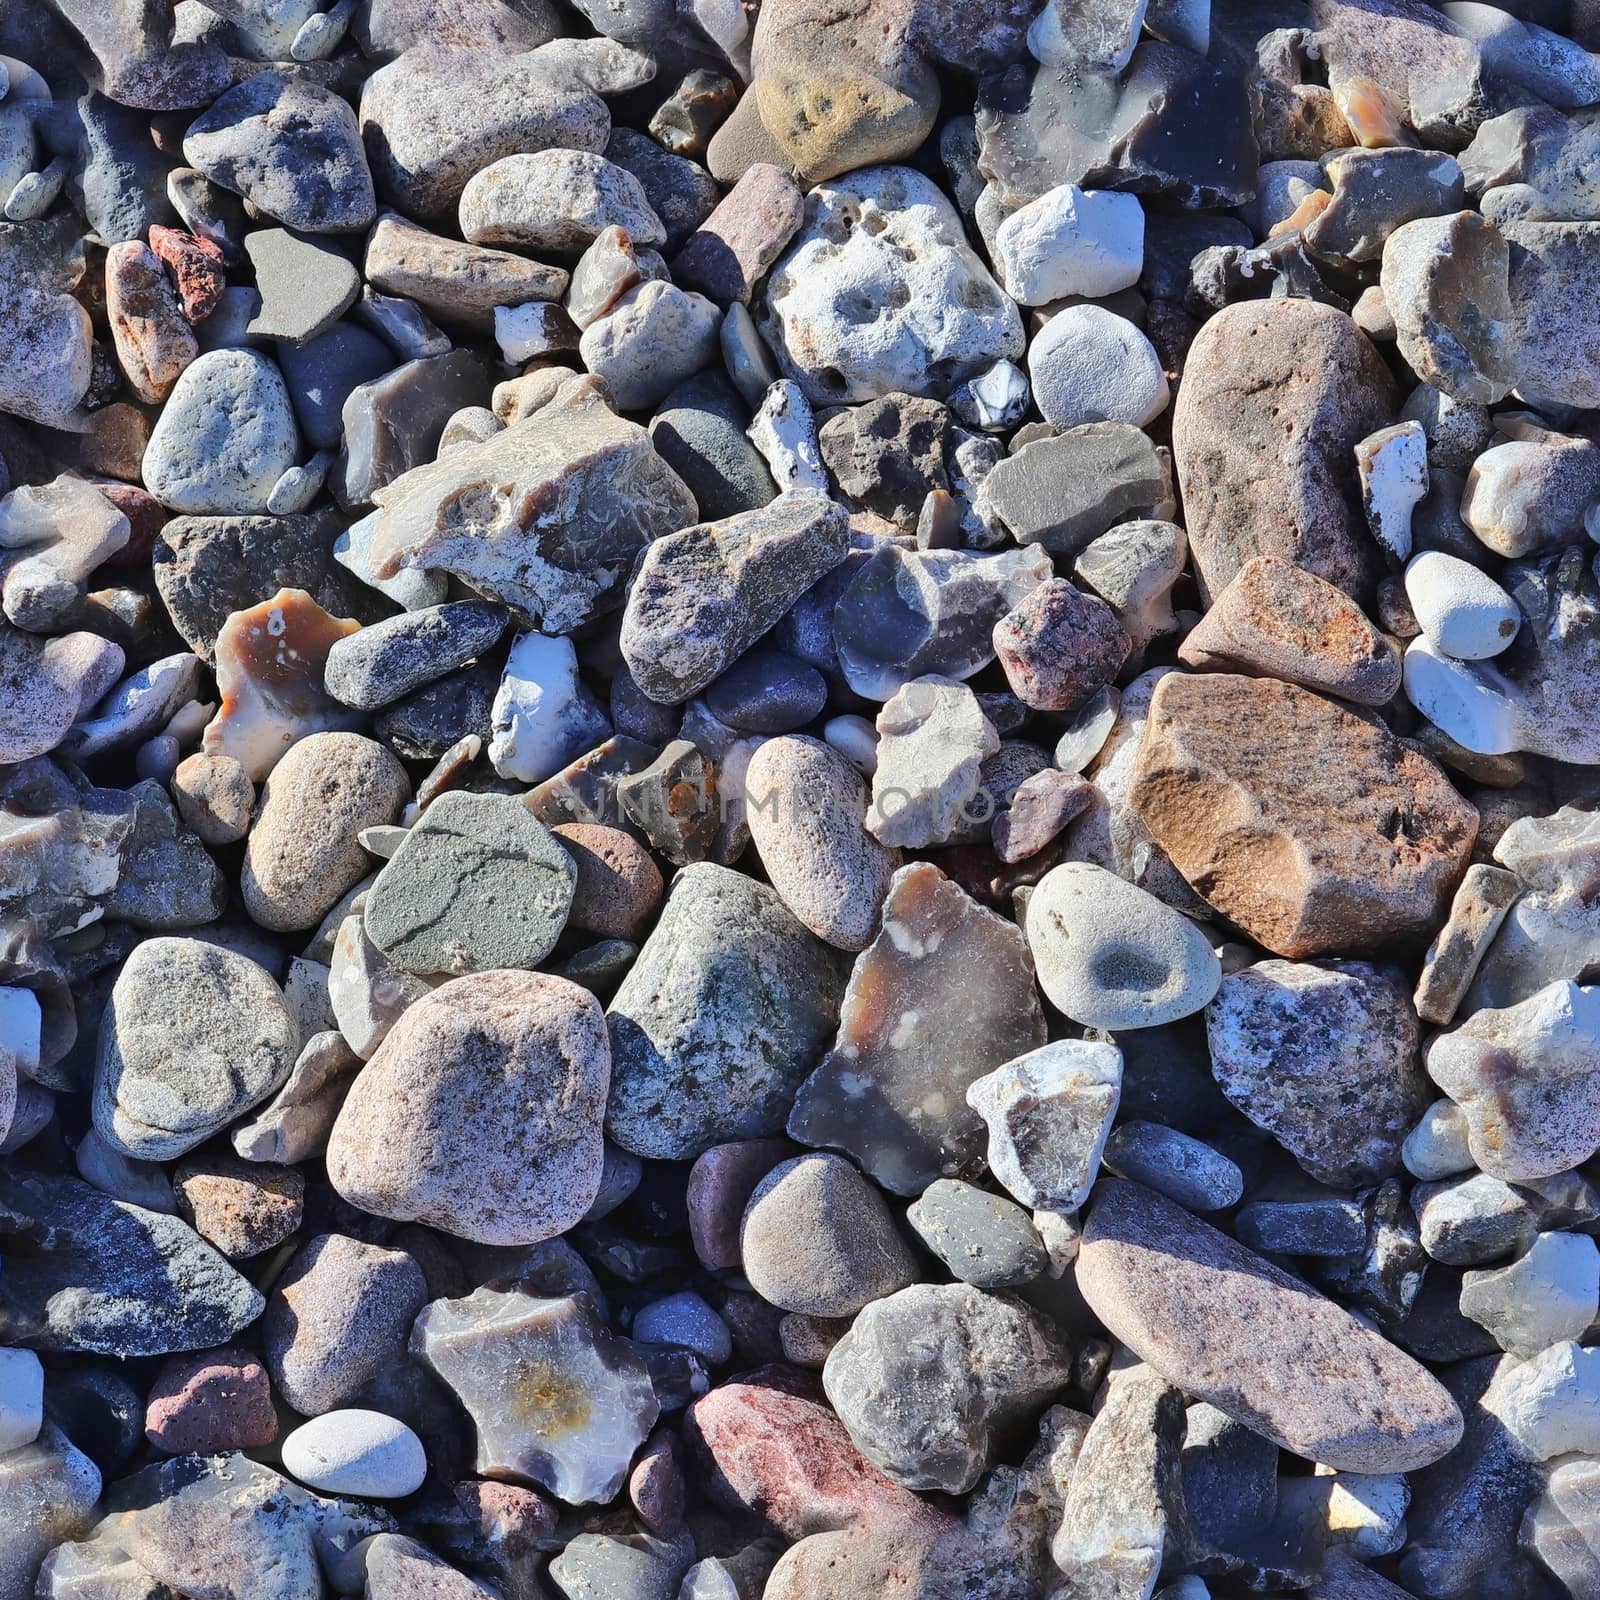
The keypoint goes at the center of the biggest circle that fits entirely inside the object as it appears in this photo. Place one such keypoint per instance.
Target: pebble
(302, 853)
(1071, 241)
(768, 692)
(1059, 646)
(1264, 1349)
(50, 684)
(355, 1452)
(984, 1239)
(210, 1402)
(556, 201)
(685, 1319)
(618, 885)
(387, 660)
(1089, 365)
(1532, 490)
(451, 279)
(543, 715)
(699, 430)
(654, 338)
(192, 1036)
(21, 1398)
(1184, 1169)
(1462, 610)
(151, 334)
(819, 1239)
(243, 1208)
(480, 1111)
(735, 247)
(933, 739)
(1393, 468)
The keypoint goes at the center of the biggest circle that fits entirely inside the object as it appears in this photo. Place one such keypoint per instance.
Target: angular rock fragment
(62, 531)
(49, 1491)
(557, 1399)
(1337, 835)
(933, 739)
(1552, 325)
(918, 1024)
(1481, 902)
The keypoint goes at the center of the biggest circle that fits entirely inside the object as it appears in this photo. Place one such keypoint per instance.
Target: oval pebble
(356, 1452)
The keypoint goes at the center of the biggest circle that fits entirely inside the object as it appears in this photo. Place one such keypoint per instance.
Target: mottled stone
(242, 1208)
(1276, 394)
(457, 282)
(926, 1379)
(1486, 894)
(1337, 836)
(49, 1491)
(727, 1006)
(48, 684)
(556, 201)
(1059, 645)
(153, 339)
(983, 1238)
(1255, 1342)
(216, 1400)
(944, 994)
(556, 1398)
(733, 249)
(480, 1112)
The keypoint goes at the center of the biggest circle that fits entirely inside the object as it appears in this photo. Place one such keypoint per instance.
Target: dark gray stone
(698, 430)
(321, 372)
(121, 178)
(1183, 1169)
(424, 725)
(682, 193)
(168, 879)
(984, 1239)
(766, 691)
(386, 661)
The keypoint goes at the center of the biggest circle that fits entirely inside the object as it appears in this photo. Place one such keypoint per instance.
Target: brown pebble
(619, 884)
(215, 797)
(242, 1207)
(210, 1401)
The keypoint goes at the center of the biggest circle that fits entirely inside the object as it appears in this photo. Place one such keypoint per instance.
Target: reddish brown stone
(196, 267)
(619, 885)
(506, 1514)
(1041, 807)
(720, 1185)
(153, 339)
(769, 1444)
(210, 1401)
(734, 248)
(1060, 645)
(655, 1485)
(242, 1207)
(1313, 829)
(146, 518)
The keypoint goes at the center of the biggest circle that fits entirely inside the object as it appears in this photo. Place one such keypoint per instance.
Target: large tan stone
(1313, 829)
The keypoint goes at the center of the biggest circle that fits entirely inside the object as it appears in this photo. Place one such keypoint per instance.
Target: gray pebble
(386, 661)
(984, 1239)
(1173, 1164)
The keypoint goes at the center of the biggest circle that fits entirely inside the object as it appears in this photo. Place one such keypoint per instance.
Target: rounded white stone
(21, 1398)
(1110, 955)
(1088, 364)
(544, 714)
(1437, 1147)
(1463, 612)
(855, 739)
(1466, 704)
(1071, 241)
(356, 1452)
(1544, 1297)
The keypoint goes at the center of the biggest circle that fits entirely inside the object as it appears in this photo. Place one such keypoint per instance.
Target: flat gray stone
(305, 285)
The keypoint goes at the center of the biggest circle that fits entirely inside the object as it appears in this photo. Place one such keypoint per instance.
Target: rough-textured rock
(983, 1238)
(192, 1035)
(457, 282)
(1313, 830)
(1276, 394)
(1324, 1057)
(1059, 645)
(1255, 1342)
(1553, 331)
(944, 994)
(927, 1378)
(480, 1113)
(216, 1400)
(557, 201)
(933, 740)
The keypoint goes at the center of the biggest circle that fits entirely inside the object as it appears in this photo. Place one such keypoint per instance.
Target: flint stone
(294, 1125)
(983, 1238)
(49, 1491)
(1268, 1351)
(480, 1112)
(578, 493)
(1276, 396)
(388, 659)
(918, 1025)
(1317, 863)
(1183, 1169)
(557, 1399)
(728, 1004)
(106, 1278)
(933, 740)
(926, 1379)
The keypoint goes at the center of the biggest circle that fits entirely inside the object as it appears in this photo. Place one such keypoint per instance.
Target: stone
(1133, 568)
(1071, 241)
(302, 853)
(728, 1005)
(699, 430)
(916, 1028)
(1325, 1059)
(719, 1187)
(1546, 1296)
(674, 803)
(1462, 610)
(729, 254)
(582, 1397)
(306, 284)
(1066, 490)
(168, 880)
(480, 1111)
(686, 119)
(701, 597)
(1058, 646)
(1437, 1146)
(1532, 491)
(241, 1208)
(1146, 965)
(816, 1237)
(338, 1320)
(1124, 1516)
(207, 568)
(21, 1398)
(681, 193)
(1267, 1350)
(1040, 808)
(923, 313)
(294, 1125)
(1183, 1169)
(1276, 620)
(1525, 1076)
(1552, 336)
(555, 571)
(889, 454)
(1393, 467)
(62, 532)
(49, 1491)
(1339, 874)
(784, 429)
(209, 1402)
(655, 337)
(192, 1036)
(387, 660)
(994, 400)
(112, 1279)
(687, 1321)
(1278, 393)
(1547, 1401)
(454, 280)
(323, 372)
(48, 684)
(933, 739)
(356, 1452)
(927, 1378)
(595, 1565)
(1089, 365)
(138, 708)
(215, 797)
(201, 457)
(270, 662)
(291, 148)
(197, 265)
(767, 692)
(769, 1445)
(153, 339)
(984, 1239)
(1375, 192)
(618, 884)
(555, 201)
(903, 614)
(1481, 902)
(46, 351)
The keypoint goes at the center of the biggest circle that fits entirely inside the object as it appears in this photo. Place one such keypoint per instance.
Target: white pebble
(1090, 365)
(544, 714)
(1437, 1147)
(21, 1398)
(1551, 1403)
(356, 1452)
(856, 740)
(1546, 1296)
(784, 430)
(1071, 241)
(1456, 700)
(1462, 610)
(1393, 466)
